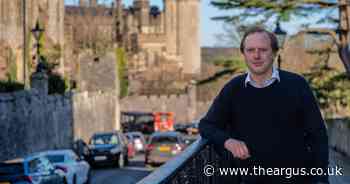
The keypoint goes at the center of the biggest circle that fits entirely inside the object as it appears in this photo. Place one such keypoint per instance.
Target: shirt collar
(275, 76)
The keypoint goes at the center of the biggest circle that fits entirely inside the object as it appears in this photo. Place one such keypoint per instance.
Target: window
(164, 139)
(105, 139)
(56, 158)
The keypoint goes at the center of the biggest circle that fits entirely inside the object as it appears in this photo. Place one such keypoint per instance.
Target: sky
(209, 28)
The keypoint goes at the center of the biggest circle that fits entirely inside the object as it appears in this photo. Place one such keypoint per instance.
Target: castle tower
(143, 6)
(188, 12)
(170, 26)
(83, 3)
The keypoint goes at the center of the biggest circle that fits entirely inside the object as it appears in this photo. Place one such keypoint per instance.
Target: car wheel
(74, 179)
(88, 180)
(126, 160)
(121, 161)
(65, 180)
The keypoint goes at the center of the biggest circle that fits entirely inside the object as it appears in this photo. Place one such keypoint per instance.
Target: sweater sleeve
(315, 130)
(212, 125)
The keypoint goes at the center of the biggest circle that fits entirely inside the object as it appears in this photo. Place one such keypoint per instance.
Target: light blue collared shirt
(275, 76)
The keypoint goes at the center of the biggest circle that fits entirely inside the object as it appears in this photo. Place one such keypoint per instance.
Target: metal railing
(189, 166)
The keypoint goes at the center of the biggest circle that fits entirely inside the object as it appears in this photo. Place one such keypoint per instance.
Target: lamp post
(37, 31)
(281, 36)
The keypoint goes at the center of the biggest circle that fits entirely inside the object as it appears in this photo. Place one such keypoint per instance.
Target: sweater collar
(275, 76)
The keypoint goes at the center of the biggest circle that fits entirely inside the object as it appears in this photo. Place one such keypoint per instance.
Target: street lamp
(281, 36)
(37, 31)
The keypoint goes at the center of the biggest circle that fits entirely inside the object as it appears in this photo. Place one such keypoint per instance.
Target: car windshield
(164, 139)
(56, 158)
(104, 139)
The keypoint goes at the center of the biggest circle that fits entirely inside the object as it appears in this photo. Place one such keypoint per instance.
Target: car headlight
(115, 150)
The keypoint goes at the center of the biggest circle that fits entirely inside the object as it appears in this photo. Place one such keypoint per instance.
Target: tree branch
(324, 31)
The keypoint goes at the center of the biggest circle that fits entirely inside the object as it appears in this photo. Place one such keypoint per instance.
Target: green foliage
(12, 69)
(42, 41)
(250, 11)
(230, 66)
(217, 76)
(57, 84)
(10, 86)
(54, 53)
(27, 52)
(331, 88)
(121, 70)
(231, 63)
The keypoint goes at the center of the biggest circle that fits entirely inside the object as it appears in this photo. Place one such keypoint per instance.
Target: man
(268, 118)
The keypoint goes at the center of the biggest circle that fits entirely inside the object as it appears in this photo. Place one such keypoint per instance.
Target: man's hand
(237, 148)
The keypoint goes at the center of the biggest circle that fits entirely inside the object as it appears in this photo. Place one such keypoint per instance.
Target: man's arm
(212, 125)
(315, 130)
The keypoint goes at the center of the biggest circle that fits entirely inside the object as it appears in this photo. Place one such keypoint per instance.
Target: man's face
(258, 53)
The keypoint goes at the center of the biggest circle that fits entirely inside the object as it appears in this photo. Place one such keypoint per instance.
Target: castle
(158, 42)
(17, 45)
(171, 34)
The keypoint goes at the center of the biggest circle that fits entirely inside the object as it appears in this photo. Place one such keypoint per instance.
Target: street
(130, 174)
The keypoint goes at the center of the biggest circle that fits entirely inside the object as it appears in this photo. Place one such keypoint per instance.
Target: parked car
(81, 148)
(192, 129)
(30, 170)
(108, 148)
(76, 170)
(163, 146)
(138, 140)
(180, 127)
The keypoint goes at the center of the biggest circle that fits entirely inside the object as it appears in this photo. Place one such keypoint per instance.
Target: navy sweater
(278, 123)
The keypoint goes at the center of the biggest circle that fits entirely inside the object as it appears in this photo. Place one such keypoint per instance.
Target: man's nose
(257, 54)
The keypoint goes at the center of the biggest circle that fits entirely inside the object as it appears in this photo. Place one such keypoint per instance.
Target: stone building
(158, 42)
(161, 44)
(17, 19)
(171, 34)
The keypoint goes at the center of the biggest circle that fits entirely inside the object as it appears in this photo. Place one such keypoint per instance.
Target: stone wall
(97, 73)
(32, 122)
(183, 105)
(95, 112)
(49, 12)
(202, 108)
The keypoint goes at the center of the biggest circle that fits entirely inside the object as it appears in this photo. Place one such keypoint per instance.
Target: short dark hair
(255, 29)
